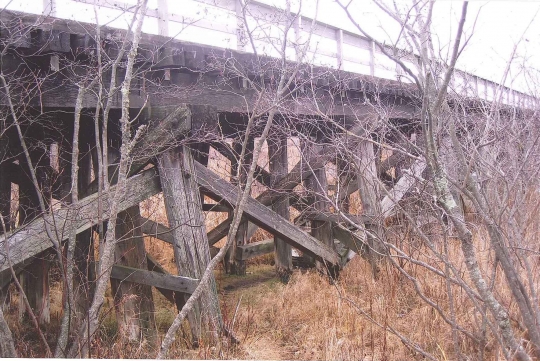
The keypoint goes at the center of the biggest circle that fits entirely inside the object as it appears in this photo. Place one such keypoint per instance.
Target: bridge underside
(192, 110)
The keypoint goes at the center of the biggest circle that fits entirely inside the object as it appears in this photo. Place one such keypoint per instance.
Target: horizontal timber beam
(156, 279)
(163, 233)
(254, 249)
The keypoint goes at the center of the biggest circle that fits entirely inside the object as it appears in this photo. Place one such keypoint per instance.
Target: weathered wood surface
(255, 249)
(85, 271)
(155, 279)
(239, 172)
(264, 217)
(310, 214)
(30, 240)
(187, 62)
(219, 231)
(317, 188)
(285, 185)
(278, 159)
(407, 180)
(163, 233)
(170, 295)
(156, 230)
(34, 278)
(165, 126)
(191, 250)
(207, 207)
(133, 301)
(369, 190)
(350, 239)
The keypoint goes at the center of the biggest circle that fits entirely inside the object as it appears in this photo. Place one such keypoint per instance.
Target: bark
(89, 327)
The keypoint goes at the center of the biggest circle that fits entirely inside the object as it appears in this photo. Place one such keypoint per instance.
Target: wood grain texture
(264, 217)
(255, 249)
(155, 279)
(191, 250)
(30, 240)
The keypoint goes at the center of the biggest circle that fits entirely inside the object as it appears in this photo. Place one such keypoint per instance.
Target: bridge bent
(192, 97)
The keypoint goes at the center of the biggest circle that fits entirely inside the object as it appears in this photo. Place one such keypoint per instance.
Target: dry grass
(311, 318)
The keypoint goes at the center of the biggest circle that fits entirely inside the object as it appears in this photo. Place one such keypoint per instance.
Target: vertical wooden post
(317, 186)
(372, 58)
(241, 36)
(5, 197)
(49, 7)
(134, 302)
(234, 266)
(277, 154)
(368, 188)
(339, 48)
(344, 178)
(191, 250)
(34, 278)
(163, 17)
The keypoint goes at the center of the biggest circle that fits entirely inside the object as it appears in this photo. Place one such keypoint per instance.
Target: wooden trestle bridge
(181, 93)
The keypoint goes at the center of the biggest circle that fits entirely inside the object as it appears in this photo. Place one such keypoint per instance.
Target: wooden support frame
(30, 240)
(317, 187)
(255, 249)
(278, 157)
(264, 217)
(191, 250)
(240, 167)
(159, 280)
(134, 302)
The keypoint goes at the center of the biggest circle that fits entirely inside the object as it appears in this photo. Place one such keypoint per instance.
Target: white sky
(495, 26)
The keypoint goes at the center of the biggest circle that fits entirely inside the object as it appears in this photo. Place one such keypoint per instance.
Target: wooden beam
(163, 233)
(350, 239)
(166, 125)
(208, 207)
(322, 216)
(264, 217)
(156, 230)
(191, 250)
(30, 240)
(154, 266)
(219, 231)
(254, 249)
(156, 279)
(408, 179)
(277, 155)
(239, 167)
(284, 186)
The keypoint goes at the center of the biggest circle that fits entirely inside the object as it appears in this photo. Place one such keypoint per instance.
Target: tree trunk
(85, 273)
(191, 249)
